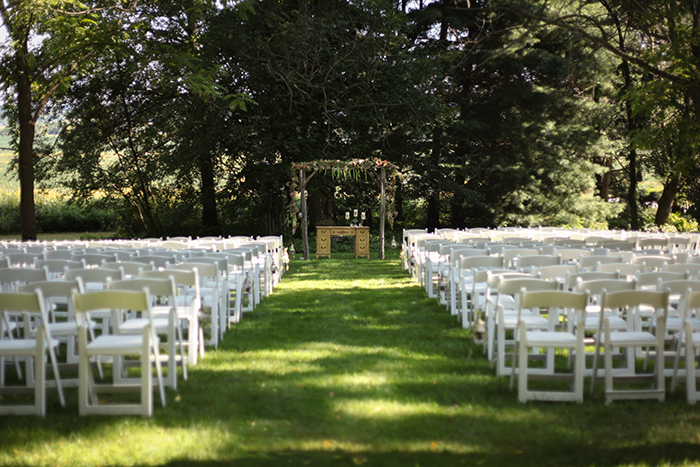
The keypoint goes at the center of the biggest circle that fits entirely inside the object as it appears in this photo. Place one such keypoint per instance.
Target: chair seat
(616, 323)
(531, 321)
(137, 324)
(66, 329)
(630, 339)
(21, 346)
(551, 339)
(115, 345)
(676, 324)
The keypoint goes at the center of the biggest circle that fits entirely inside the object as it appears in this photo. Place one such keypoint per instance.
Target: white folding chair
(209, 288)
(627, 303)
(189, 306)
(165, 319)
(553, 303)
(145, 346)
(34, 352)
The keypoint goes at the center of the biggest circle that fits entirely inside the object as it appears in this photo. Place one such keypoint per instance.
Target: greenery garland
(345, 169)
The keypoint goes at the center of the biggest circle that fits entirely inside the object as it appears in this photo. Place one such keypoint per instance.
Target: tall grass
(348, 363)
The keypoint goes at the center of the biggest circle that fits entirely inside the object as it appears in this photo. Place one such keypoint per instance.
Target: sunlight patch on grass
(127, 442)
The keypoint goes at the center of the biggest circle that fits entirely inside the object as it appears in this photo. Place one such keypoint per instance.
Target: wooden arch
(387, 173)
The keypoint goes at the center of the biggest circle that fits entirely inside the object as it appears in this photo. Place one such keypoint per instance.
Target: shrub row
(56, 215)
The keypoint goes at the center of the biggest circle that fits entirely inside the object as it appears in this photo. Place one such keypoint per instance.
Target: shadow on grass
(667, 454)
(350, 376)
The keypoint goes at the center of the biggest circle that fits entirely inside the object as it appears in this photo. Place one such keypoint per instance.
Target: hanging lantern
(394, 245)
(247, 284)
(442, 284)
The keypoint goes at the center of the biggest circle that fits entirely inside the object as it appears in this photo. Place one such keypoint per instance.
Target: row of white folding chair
(528, 337)
(92, 278)
(34, 352)
(100, 279)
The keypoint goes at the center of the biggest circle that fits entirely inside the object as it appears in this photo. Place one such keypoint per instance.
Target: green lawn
(348, 363)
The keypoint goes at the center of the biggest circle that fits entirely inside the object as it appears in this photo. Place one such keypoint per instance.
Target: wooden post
(304, 217)
(382, 211)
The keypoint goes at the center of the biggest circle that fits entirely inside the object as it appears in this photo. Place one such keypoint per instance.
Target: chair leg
(522, 364)
(40, 373)
(146, 377)
(608, 371)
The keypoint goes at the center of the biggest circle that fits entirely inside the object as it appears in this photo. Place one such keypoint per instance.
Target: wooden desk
(323, 239)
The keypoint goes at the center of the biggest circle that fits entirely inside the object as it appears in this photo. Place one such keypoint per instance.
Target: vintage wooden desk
(323, 239)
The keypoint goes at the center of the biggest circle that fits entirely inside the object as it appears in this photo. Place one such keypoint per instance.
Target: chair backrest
(160, 262)
(509, 255)
(221, 263)
(559, 271)
(123, 255)
(512, 285)
(12, 277)
(129, 268)
(624, 269)
(94, 259)
(652, 263)
(548, 299)
(115, 300)
(52, 290)
(58, 254)
(23, 260)
(690, 268)
(573, 254)
(650, 280)
(596, 287)
(57, 267)
(94, 275)
(186, 280)
(157, 287)
(523, 262)
(589, 262)
(471, 262)
(690, 300)
(236, 261)
(630, 301)
(656, 243)
(208, 272)
(572, 280)
(679, 287)
(680, 243)
(620, 246)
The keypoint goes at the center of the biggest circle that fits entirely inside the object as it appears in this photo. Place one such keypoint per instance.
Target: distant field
(8, 183)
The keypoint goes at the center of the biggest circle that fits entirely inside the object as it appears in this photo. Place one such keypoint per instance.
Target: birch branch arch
(383, 172)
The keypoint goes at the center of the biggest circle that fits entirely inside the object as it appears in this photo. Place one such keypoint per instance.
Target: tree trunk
(210, 217)
(632, 125)
(457, 213)
(433, 221)
(668, 197)
(27, 127)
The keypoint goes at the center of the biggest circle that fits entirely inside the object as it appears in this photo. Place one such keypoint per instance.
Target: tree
(147, 120)
(526, 119)
(49, 42)
(333, 80)
(665, 46)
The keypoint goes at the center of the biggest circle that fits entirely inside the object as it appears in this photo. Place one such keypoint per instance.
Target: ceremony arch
(384, 172)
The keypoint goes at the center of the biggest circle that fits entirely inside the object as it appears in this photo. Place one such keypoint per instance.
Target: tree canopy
(187, 115)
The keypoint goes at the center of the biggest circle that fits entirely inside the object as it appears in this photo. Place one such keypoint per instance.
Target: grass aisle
(348, 363)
